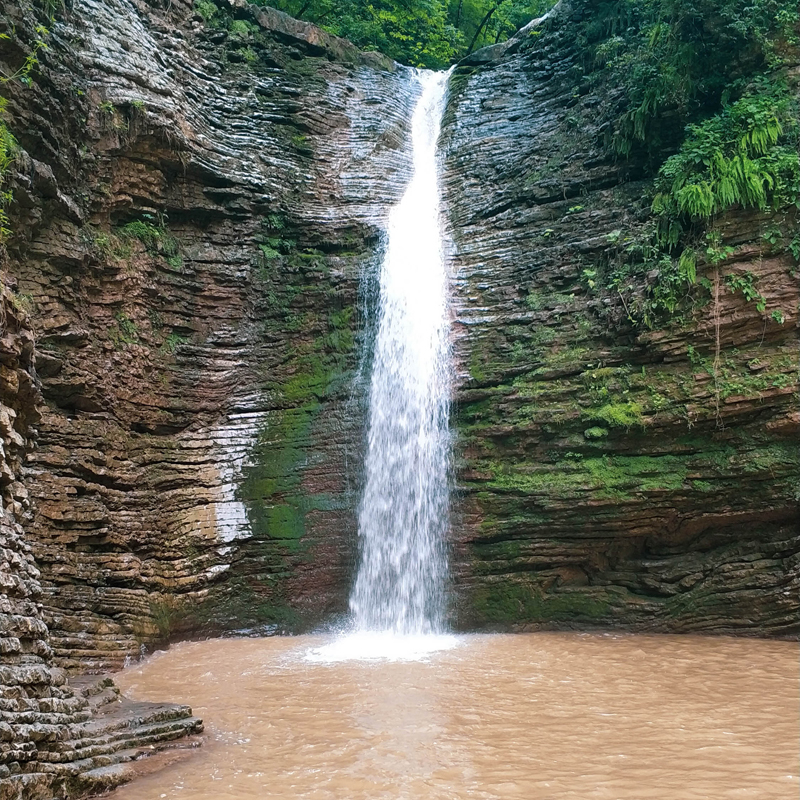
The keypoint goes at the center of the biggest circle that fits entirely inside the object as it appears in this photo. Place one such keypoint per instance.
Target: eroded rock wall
(195, 206)
(55, 738)
(198, 208)
(605, 477)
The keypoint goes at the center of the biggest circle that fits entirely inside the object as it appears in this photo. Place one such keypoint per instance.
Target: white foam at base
(381, 646)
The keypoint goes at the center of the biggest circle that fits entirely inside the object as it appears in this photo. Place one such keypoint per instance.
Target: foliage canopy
(708, 103)
(422, 33)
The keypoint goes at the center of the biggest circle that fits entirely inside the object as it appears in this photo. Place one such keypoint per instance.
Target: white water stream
(397, 603)
(404, 510)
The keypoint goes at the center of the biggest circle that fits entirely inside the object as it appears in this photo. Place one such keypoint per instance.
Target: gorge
(196, 231)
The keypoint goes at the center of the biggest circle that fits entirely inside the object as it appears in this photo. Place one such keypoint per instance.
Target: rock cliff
(197, 211)
(610, 475)
(56, 738)
(195, 206)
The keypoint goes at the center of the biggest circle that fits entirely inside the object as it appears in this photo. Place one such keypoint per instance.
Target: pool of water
(535, 716)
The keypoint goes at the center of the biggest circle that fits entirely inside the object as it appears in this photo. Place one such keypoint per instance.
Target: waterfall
(403, 516)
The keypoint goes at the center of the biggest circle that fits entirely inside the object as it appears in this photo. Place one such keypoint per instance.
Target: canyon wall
(57, 738)
(198, 205)
(189, 287)
(609, 475)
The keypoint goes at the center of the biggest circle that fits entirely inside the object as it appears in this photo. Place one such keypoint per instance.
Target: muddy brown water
(534, 716)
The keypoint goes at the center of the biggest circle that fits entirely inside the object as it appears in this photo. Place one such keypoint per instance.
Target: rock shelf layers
(191, 230)
(57, 738)
(599, 486)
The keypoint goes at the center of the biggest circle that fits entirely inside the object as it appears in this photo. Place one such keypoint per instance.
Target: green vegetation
(744, 156)
(316, 369)
(8, 144)
(169, 615)
(124, 331)
(8, 150)
(153, 234)
(606, 477)
(712, 116)
(528, 602)
(616, 415)
(247, 602)
(689, 56)
(423, 33)
(173, 342)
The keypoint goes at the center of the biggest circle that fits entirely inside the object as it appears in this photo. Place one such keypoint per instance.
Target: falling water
(403, 515)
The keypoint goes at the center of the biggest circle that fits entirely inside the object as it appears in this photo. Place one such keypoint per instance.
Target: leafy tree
(422, 33)
(707, 103)
(686, 56)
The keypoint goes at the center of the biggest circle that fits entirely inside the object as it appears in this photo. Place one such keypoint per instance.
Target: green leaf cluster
(8, 151)
(707, 110)
(421, 33)
(153, 233)
(747, 155)
(685, 58)
(8, 144)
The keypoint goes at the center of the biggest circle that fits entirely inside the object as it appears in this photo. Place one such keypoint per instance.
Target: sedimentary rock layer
(195, 207)
(609, 475)
(197, 218)
(54, 737)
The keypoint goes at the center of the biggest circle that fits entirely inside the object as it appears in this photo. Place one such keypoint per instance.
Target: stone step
(85, 752)
(98, 690)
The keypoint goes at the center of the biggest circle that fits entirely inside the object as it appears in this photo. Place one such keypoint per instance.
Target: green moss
(173, 342)
(616, 415)
(246, 603)
(170, 616)
(476, 366)
(609, 476)
(271, 489)
(156, 239)
(124, 331)
(310, 381)
(513, 602)
(286, 521)
(537, 301)
(563, 356)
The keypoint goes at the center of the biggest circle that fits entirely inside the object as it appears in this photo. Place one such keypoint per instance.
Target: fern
(746, 156)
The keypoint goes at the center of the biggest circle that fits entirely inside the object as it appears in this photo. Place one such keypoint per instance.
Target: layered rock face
(196, 208)
(55, 738)
(609, 475)
(197, 217)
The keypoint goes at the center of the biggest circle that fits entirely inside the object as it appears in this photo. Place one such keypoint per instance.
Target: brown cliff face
(606, 477)
(194, 210)
(55, 737)
(197, 214)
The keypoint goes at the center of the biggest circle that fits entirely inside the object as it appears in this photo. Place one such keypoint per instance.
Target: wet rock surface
(194, 209)
(56, 737)
(605, 477)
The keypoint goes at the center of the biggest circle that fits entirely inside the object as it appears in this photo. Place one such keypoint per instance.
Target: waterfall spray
(398, 599)
(403, 516)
